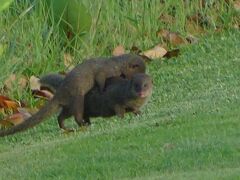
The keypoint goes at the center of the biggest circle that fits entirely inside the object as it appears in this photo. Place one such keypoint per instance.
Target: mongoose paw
(83, 128)
(137, 112)
(120, 115)
(68, 130)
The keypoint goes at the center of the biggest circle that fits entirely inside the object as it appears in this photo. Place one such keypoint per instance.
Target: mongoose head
(141, 85)
(132, 64)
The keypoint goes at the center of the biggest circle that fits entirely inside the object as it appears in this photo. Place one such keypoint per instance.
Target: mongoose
(78, 82)
(120, 96)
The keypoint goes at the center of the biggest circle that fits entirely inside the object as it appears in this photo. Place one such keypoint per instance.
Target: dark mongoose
(78, 82)
(120, 96)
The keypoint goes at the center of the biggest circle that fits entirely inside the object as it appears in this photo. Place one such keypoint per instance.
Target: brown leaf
(162, 33)
(22, 82)
(236, 5)
(44, 94)
(68, 60)
(192, 39)
(13, 79)
(199, 19)
(236, 26)
(7, 103)
(167, 19)
(175, 39)
(3, 98)
(145, 58)
(34, 83)
(172, 38)
(5, 124)
(11, 104)
(2, 110)
(27, 112)
(172, 53)
(119, 50)
(16, 118)
(8, 82)
(193, 28)
(135, 50)
(156, 52)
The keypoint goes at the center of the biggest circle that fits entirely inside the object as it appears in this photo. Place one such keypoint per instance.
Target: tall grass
(34, 45)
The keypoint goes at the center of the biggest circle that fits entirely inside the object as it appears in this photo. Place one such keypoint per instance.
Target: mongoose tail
(38, 117)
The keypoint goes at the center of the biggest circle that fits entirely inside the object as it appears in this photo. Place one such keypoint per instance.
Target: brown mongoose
(78, 82)
(120, 96)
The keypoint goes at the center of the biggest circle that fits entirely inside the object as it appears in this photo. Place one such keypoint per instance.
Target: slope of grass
(189, 129)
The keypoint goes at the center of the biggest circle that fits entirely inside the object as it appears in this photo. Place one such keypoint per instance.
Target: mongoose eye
(137, 87)
(134, 66)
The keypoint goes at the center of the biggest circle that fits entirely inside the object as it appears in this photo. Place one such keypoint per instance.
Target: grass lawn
(189, 129)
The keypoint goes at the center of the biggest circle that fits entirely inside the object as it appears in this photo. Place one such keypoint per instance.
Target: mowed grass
(189, 129)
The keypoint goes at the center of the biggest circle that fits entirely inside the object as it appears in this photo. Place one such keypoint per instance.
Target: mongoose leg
(78, 109)
(87, 121)
(137, 112)
(100, 80)
(120, 111)
(64, 114)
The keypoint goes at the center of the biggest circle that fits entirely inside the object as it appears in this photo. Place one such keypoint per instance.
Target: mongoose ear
(152, 81)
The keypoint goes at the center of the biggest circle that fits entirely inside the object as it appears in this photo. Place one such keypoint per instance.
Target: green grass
(188, 130)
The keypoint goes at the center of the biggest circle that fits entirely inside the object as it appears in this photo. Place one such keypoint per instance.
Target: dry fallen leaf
(236, 26)
(162, 33)
(167, 19)
(8, 82)
(135, 50)
(5, 124)
(34, 83)
(22, 82)
(145, 58)
(2, 99)
(172, 38)
(119, 50)
(12, 105)
(192, 28)
(44, 94)
(13, 79)
(236, 5)
(14, 119)
(17, 118)
(27, 112)
(175, 39)
(156, 52)
(192, 39)
(68, 60)
(199, 19)
(7, 103)
(172, 53)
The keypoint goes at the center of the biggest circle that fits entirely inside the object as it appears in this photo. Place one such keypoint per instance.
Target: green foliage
(4, 4)
(72, 15)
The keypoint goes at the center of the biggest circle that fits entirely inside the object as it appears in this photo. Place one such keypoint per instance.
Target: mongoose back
(78, 82)
(120, 96)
